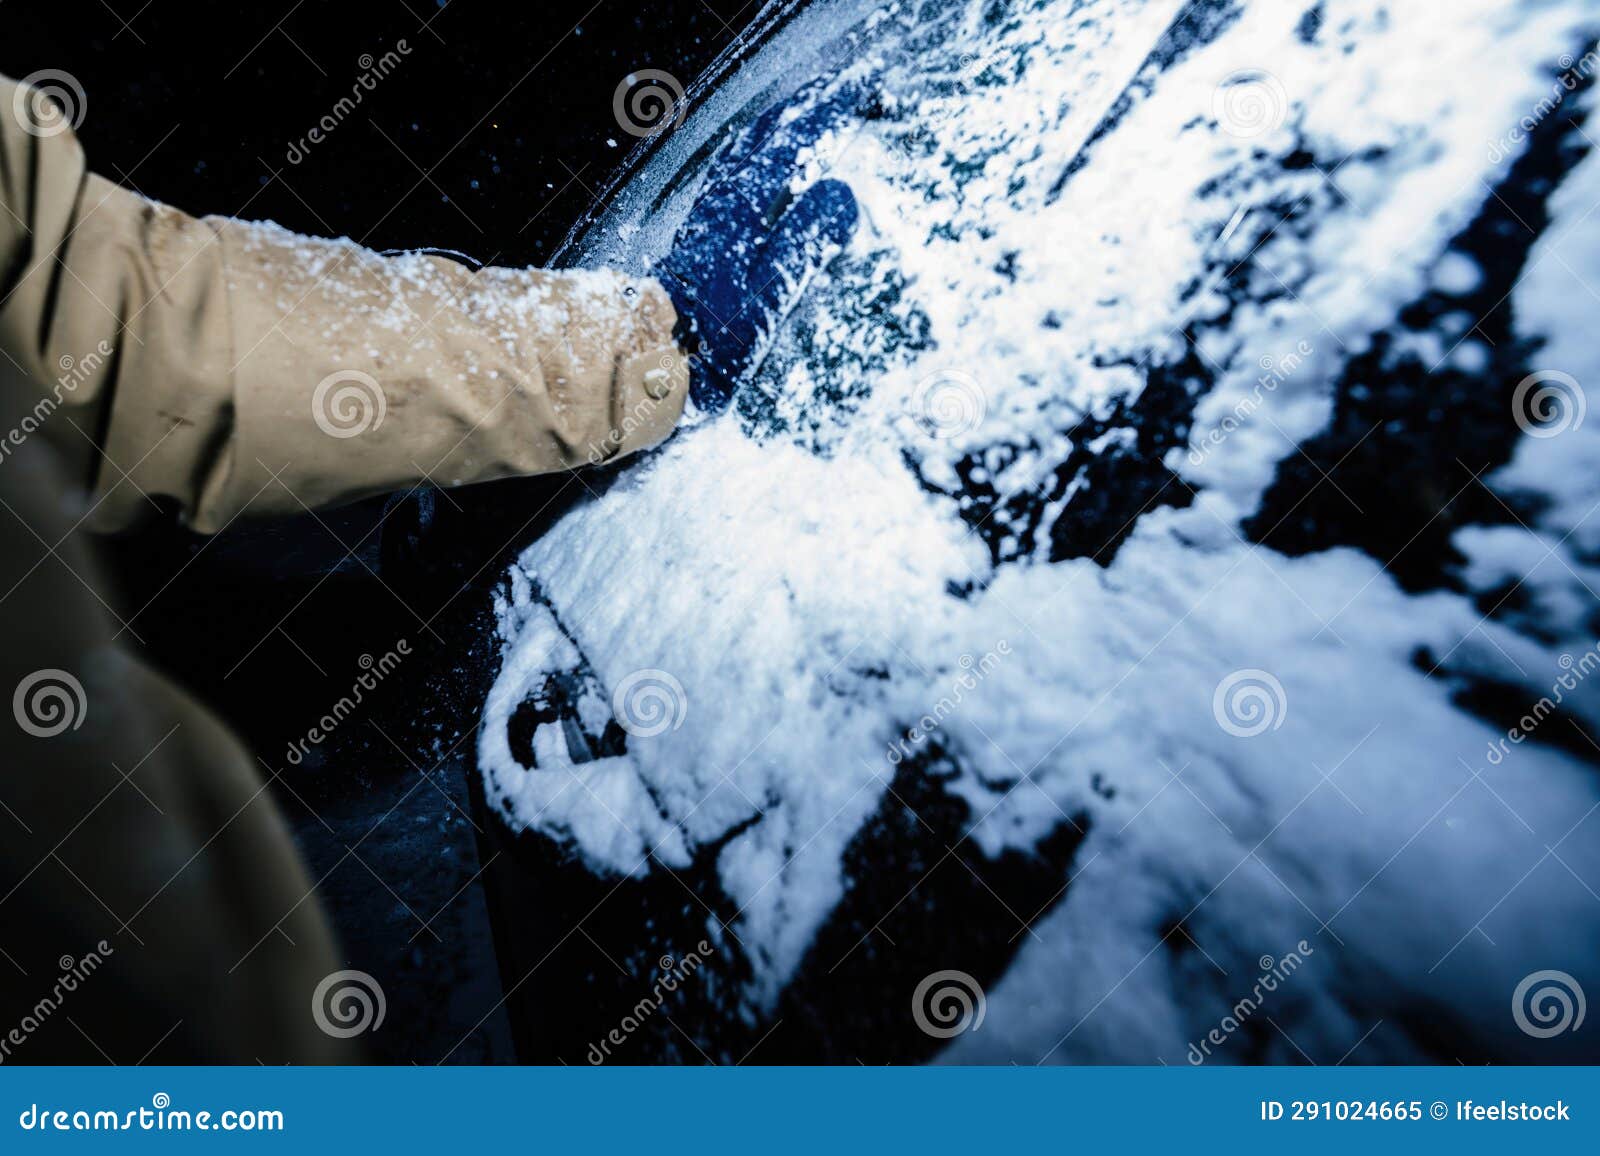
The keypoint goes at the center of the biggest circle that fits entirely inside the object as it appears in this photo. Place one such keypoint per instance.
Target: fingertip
(830, 208)
(837, 200)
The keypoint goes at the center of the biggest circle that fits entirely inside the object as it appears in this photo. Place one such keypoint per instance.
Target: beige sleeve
(232, 367)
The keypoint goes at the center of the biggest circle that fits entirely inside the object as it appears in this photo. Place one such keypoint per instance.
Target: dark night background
(489, 137)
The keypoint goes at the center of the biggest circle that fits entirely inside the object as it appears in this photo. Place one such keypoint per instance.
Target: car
(1140, 605)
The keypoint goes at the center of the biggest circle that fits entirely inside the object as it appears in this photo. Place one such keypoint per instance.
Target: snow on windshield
(1040, 497)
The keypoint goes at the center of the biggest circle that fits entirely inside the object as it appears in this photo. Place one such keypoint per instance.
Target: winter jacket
(152, 905)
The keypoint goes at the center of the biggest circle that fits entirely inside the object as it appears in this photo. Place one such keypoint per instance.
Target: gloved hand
(749, 245)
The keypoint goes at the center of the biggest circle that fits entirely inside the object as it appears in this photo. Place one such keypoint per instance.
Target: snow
(1555, 303)
(811, 600)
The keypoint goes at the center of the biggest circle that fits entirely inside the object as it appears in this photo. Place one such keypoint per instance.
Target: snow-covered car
(1142, 605)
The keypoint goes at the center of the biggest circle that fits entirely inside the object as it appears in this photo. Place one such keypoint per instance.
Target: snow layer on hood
(801, 575)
